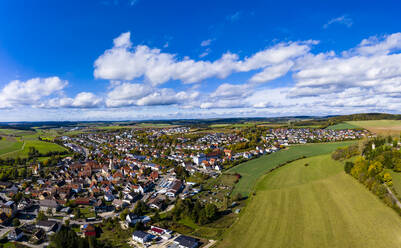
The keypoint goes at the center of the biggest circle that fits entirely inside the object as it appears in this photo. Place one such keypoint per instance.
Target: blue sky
(147, 59)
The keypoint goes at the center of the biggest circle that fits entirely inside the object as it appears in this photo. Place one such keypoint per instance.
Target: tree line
(373, 157)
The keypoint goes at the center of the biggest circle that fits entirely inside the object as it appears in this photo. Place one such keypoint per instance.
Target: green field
(41, 146)
(380, 126)
(234, 125)
(396, 180)
(15, 132)
(252, 170)
(18, 146)
(140, 125)
(9, 144)
(341, 126)
(314, 206)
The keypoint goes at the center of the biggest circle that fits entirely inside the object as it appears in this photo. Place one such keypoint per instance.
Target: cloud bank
(284, 79)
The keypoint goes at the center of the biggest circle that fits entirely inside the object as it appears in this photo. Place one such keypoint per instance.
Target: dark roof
(140, 234)
(48, 203)
(47, 223)
(16, 231)
(5, 184)
(176, 186)
(132, 216)
(186, 241)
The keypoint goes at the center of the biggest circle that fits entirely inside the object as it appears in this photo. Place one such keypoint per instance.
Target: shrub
(16, 222)
(237, 197)
(348, 167)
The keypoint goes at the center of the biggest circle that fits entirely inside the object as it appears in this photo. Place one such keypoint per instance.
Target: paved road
(5, 230)
(210, 244)
(43, 245)
(394, 197)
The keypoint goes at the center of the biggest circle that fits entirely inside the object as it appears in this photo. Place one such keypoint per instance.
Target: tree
(41, 216)
(17, 197)
(210, 211)
(360, 167)
(49, 211)
(397, 165)
(22, 173)
(375, 168)
(124, 214)
(202, 217)
(140, 208)
(156, 217)
(77, 213)
(348, 167)
(387, 179)
(16, 222)
(237, 197)
(139, 226)
(226, 202)
(67, 238)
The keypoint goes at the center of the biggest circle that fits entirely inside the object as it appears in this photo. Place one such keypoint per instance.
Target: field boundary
(8, 153)
(251, 170)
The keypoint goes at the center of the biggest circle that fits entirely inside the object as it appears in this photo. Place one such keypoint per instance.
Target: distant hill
(323, 121)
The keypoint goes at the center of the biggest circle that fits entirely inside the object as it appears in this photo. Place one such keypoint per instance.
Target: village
(134, 175)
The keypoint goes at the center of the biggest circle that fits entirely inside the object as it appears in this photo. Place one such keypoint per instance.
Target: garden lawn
(252, 170)
(314, 206)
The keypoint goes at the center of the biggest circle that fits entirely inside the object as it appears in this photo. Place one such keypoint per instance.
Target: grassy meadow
(9, 144)
(341, 126)
(313, 206)
(252, 170)
(384, 127)
(396, 180)
(16, 143)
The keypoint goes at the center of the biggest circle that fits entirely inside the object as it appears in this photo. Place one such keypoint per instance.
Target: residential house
(15, 234)
(48, 225)
(9, 209)
(141, 237)
(24, 203)
(131, 219)
(88, 230)
(186, 242)
(46, 204)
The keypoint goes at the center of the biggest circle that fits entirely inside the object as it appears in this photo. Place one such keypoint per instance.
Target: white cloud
(231, 91)
(352, 71)
(124, 62)
(205, 53)
(81, 100)
(166, 97)
(272, 72)
(128, 94)
(344, 20)
(206, 42)
(366, 78)
(86, 100)
(123, 41)
(379, 45)
(234, 17)
(31, 92)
